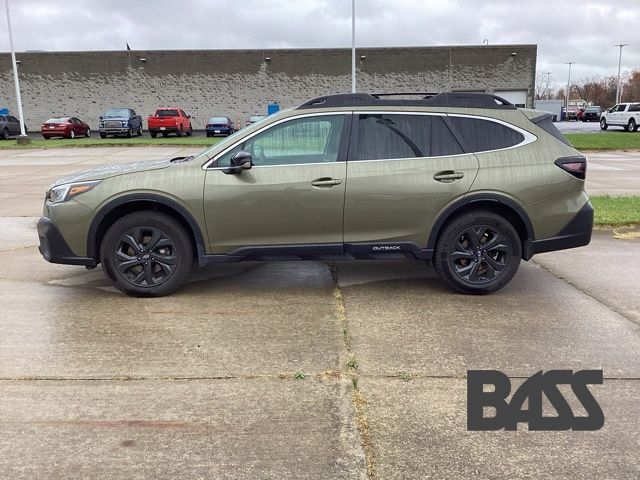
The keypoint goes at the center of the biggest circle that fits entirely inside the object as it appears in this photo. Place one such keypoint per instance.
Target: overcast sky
(582, 31)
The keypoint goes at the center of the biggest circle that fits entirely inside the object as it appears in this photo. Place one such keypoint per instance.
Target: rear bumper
(219, 131)
(172, 129)
(577, 233)
(54, 248)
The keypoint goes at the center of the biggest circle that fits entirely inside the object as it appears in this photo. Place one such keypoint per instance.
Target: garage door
(517, 97)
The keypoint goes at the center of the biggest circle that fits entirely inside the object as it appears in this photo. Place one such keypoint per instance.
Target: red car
(65, 127)
(169, 120)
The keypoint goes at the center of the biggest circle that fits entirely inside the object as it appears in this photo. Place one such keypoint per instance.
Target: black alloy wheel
(477, 252)
(147, 254)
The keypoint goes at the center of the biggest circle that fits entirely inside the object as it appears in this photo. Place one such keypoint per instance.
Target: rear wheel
(147, 254)
(603, 124)
(153, 134)
(478, 252)
(46, 137)
(633, 127)
(190, 131)
(180, 132)
(103, 135)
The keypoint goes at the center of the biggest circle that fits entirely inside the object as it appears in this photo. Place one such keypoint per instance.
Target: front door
(293, 196)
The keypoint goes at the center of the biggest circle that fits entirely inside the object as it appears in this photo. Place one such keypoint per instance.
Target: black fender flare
(151, 198)
(476, 198)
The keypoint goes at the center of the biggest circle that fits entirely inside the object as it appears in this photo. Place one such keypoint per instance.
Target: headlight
(62, 193)
(101, 124)
(124, 124)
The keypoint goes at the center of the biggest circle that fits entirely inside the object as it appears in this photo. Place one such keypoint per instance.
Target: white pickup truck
(625, 115)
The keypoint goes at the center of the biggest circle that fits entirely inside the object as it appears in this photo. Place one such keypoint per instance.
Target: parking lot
(303, 370)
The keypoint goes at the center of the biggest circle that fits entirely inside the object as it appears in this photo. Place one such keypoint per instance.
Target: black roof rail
(445, 99)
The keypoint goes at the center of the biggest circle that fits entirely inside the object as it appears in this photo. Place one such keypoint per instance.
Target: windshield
(218, 120)
(167, 113)
(116, 113)
(593, 109)
(58, 120)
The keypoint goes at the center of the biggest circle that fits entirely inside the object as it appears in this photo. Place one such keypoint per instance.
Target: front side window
(620, 108)
(483, 135)
(303, 140)
(13, 119)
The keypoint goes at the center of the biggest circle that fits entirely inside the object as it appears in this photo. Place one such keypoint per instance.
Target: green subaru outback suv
(465, 181)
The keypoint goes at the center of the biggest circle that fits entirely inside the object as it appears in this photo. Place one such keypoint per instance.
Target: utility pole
(23, 134)
(568, 93)
(353, 46)
(620, 45)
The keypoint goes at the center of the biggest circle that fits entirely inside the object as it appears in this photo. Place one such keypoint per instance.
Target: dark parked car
(9, 127)
(592, 114)
(219, 126)
(255, 118)
(120, 121)
(65, 127)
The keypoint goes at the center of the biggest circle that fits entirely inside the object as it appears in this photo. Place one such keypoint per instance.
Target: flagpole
(23, 133)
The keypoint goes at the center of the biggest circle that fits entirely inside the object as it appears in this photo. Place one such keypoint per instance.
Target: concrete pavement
(295, 370)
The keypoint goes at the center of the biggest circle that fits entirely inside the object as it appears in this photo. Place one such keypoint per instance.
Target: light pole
(23, 134)
(353, 46)
(568, 94)
(546, 86)
(620, 45)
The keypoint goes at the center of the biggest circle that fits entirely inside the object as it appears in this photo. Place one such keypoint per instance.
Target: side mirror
(240, 161)
(188, 116)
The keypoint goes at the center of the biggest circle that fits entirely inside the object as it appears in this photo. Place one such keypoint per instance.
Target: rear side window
(634, 108)
(483, 135)
(389, 136)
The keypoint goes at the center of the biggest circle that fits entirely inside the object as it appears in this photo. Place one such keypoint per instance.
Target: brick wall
(239, 83)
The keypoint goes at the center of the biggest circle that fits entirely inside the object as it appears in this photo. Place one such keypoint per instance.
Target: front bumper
(577, 233)
(54, 248)
(114, 130)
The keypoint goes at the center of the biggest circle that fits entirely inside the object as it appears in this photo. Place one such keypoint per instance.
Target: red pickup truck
(169, 120)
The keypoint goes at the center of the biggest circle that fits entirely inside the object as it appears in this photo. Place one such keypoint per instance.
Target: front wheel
(180, 132)
(478, 252)
(140, 131)
(87, 133)
(603, 124)
(72, 134)
(130, 133)
(5, 134)
(147, 254)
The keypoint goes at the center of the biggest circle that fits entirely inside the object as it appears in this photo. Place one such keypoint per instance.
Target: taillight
(576, 166)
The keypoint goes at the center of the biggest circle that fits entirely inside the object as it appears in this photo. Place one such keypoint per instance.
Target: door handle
(448, 176)
(326, 182)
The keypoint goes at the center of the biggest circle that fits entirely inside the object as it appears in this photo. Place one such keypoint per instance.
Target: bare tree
(544, 85)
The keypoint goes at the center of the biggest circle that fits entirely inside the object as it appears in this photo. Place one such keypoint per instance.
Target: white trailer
(554, 107)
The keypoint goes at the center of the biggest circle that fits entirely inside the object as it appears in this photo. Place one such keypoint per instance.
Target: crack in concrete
(587, 293)
(358, 398)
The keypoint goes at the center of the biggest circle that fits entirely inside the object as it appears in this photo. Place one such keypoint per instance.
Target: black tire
(72, 134)
(140, 130)
(87, 133)
(164, 134)
(208, 134)
(153, 134)
(5, 134)
(130, 132)
(46, 137)
(103, 135)
(633, 127)
(180, 132)
(603, 124)
(139, 270)
(466, 233)
(190, 131)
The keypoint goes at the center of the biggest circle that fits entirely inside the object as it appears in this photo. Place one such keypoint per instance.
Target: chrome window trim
(205, 166)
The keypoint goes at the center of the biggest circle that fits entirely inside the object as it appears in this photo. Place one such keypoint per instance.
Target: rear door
(403, 170)
(292, 199)
(14, 125)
